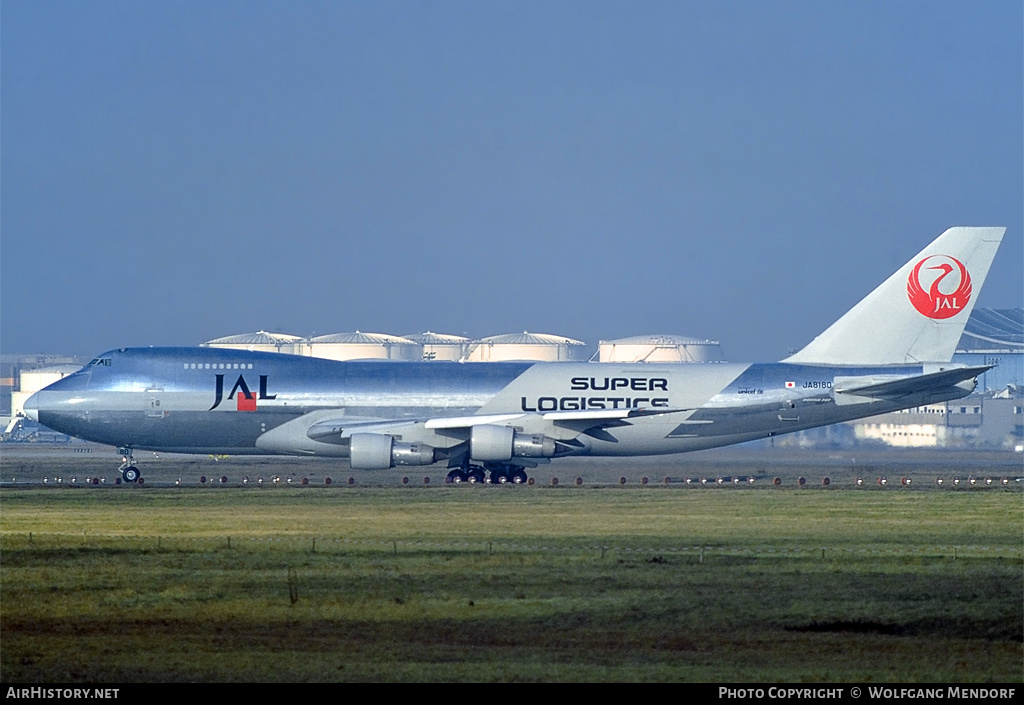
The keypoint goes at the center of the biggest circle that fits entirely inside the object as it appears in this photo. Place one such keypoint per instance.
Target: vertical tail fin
(918, 314)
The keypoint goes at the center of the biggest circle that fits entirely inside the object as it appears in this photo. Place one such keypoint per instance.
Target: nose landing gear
(129, 471)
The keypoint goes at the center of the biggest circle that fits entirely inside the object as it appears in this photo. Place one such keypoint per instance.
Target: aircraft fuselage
(202, 400)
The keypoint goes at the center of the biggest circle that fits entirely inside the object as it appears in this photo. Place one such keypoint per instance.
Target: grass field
(510, 583)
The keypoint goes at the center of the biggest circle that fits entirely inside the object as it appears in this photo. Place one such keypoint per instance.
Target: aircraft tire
(518, 477)
(130, 474)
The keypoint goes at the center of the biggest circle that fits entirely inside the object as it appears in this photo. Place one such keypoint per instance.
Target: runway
(79, 464)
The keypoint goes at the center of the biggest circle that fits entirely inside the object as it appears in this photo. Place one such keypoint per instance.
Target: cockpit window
(103, 361)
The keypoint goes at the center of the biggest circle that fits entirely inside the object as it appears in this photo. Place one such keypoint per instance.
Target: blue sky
(746, 171)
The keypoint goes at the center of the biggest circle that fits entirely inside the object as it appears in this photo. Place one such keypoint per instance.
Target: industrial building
(32, 380)
(23, 375)
(994, 337)
(977, 420)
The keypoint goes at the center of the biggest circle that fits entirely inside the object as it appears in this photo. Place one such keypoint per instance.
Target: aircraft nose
(31, 408)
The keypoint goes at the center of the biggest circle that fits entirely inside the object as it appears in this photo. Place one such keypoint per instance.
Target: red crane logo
(946, 295)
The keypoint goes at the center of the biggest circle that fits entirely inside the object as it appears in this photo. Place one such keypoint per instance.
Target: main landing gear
(499, 475)
(129, 471)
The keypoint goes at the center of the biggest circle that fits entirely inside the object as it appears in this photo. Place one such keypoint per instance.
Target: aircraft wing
(605, 414)
(516, 438)
(326, 428)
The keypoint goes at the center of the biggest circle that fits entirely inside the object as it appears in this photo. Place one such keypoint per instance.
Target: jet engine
(377, 451)
(488, 443)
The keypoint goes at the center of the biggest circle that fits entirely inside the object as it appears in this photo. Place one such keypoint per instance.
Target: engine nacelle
(533, 446)
(377, 451)
(488, 443)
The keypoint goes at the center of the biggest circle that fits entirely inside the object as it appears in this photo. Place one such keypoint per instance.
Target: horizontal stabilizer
(884, 387)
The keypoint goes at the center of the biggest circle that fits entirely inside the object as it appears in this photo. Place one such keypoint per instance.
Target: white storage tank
(527, 346)
(659, 348)
(439, 346)
(261, 341)
(364, 346)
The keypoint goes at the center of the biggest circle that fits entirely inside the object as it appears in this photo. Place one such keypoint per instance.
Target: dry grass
(507, 583)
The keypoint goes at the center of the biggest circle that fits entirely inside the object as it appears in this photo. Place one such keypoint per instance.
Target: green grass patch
(503, 583)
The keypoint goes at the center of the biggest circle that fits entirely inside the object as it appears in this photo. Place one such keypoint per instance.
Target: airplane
(493, 421)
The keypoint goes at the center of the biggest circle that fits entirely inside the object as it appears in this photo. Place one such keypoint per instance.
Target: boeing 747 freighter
(492, 421)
